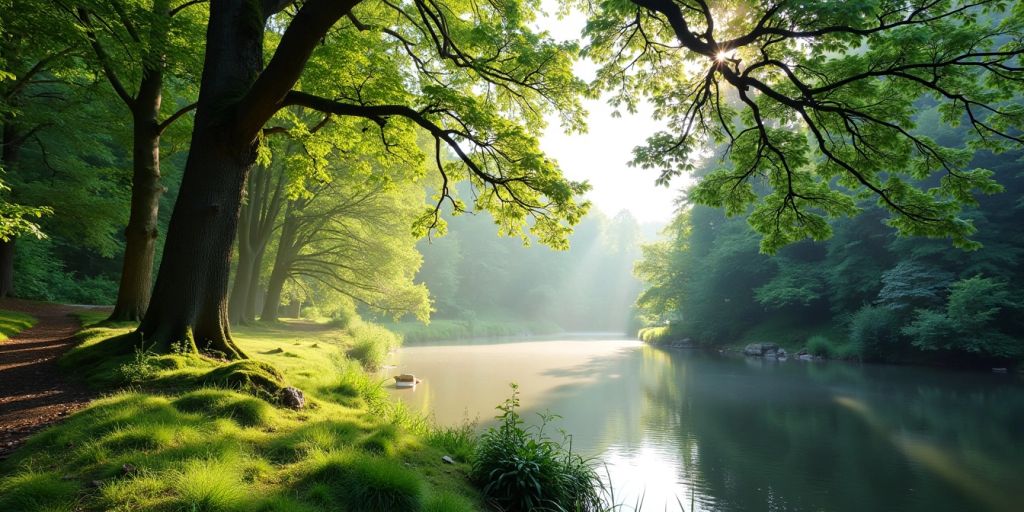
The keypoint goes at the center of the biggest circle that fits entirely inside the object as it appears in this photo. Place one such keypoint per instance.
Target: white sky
(601, 155)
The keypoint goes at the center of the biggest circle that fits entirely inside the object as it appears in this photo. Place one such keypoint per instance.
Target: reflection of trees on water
(756, 435)
(840, 437)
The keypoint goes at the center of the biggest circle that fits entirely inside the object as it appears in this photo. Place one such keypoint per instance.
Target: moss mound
(245, 410)
(256, 377)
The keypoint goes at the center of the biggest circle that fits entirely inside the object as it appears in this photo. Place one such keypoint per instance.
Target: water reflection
(728, 434)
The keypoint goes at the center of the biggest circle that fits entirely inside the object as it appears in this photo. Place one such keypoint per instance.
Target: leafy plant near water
(520, 468)
(372, 344)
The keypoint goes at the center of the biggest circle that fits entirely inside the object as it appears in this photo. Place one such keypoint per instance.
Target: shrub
(875, 330)
(521, 469)
(820, 346)
(372, 344)
(654, 335)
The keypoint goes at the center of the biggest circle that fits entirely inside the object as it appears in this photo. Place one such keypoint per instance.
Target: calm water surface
(731, 434)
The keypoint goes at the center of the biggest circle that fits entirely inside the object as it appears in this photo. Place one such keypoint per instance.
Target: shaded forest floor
(34, 392)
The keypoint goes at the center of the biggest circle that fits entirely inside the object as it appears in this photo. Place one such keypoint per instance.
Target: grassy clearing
(187, 433)
(12, 323)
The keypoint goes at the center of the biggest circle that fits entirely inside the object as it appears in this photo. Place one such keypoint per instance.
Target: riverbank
(183, 432)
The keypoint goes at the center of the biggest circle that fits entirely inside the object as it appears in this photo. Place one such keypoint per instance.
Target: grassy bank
(12, 323)
(181, 432)
(448, 329)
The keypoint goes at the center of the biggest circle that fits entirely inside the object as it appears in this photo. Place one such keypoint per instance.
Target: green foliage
(655, 335)
(974, 321)
(520, 468)
(876, 330)
(871, 294)
(371, 344)
(459, 442)
(818, 117)
(12, 322)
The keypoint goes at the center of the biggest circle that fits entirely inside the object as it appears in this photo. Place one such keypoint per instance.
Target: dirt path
(33, 390)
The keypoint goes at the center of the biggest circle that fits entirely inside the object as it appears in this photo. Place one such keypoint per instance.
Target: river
(725, 433)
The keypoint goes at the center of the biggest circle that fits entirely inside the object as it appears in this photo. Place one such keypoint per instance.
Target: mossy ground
(12, 323)
(175, 437)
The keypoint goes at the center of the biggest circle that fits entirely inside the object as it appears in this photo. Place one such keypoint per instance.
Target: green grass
(193, 434)
(12, 323)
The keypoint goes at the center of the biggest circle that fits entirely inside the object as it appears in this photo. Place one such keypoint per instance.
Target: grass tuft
(37, 491)
(245, 410)
(205, 485)
(445, 501)
(360, 482)
(12, 322)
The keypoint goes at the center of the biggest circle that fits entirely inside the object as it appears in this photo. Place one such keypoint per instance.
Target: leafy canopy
(816, 101)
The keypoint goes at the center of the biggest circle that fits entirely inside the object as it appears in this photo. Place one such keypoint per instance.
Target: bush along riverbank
(299, 427)
(813, 343)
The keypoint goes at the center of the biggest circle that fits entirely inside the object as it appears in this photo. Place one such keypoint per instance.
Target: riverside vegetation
(184, 432)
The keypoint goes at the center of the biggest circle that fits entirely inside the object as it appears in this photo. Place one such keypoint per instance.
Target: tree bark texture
(12, 141)
(189, 299)
(141, 233)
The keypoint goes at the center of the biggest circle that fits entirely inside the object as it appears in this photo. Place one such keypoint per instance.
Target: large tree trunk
(141, 232)
(189, 299)
(6, 267)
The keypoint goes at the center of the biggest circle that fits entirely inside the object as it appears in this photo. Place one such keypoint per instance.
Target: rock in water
(760, 349)
(293, 397)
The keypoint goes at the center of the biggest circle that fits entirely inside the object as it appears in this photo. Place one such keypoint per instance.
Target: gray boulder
(293, 398)
(761, 349)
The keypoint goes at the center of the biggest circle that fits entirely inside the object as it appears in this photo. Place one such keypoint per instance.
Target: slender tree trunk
(282, 265)
(254, 285)
(242, 287)
(189, 299)
(142, 229)
(264, 195)
(12, 141)
(6, 267)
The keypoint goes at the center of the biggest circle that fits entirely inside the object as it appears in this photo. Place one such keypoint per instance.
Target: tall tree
(823, 102)
(474, 77)
(135, 45)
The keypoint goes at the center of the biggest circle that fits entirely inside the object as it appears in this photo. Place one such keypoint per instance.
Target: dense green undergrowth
(12, 323)
(182, 432)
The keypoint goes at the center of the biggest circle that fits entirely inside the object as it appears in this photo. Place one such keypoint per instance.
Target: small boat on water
(406, 380)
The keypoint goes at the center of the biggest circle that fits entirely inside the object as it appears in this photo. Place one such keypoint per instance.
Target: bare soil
(34, 391)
